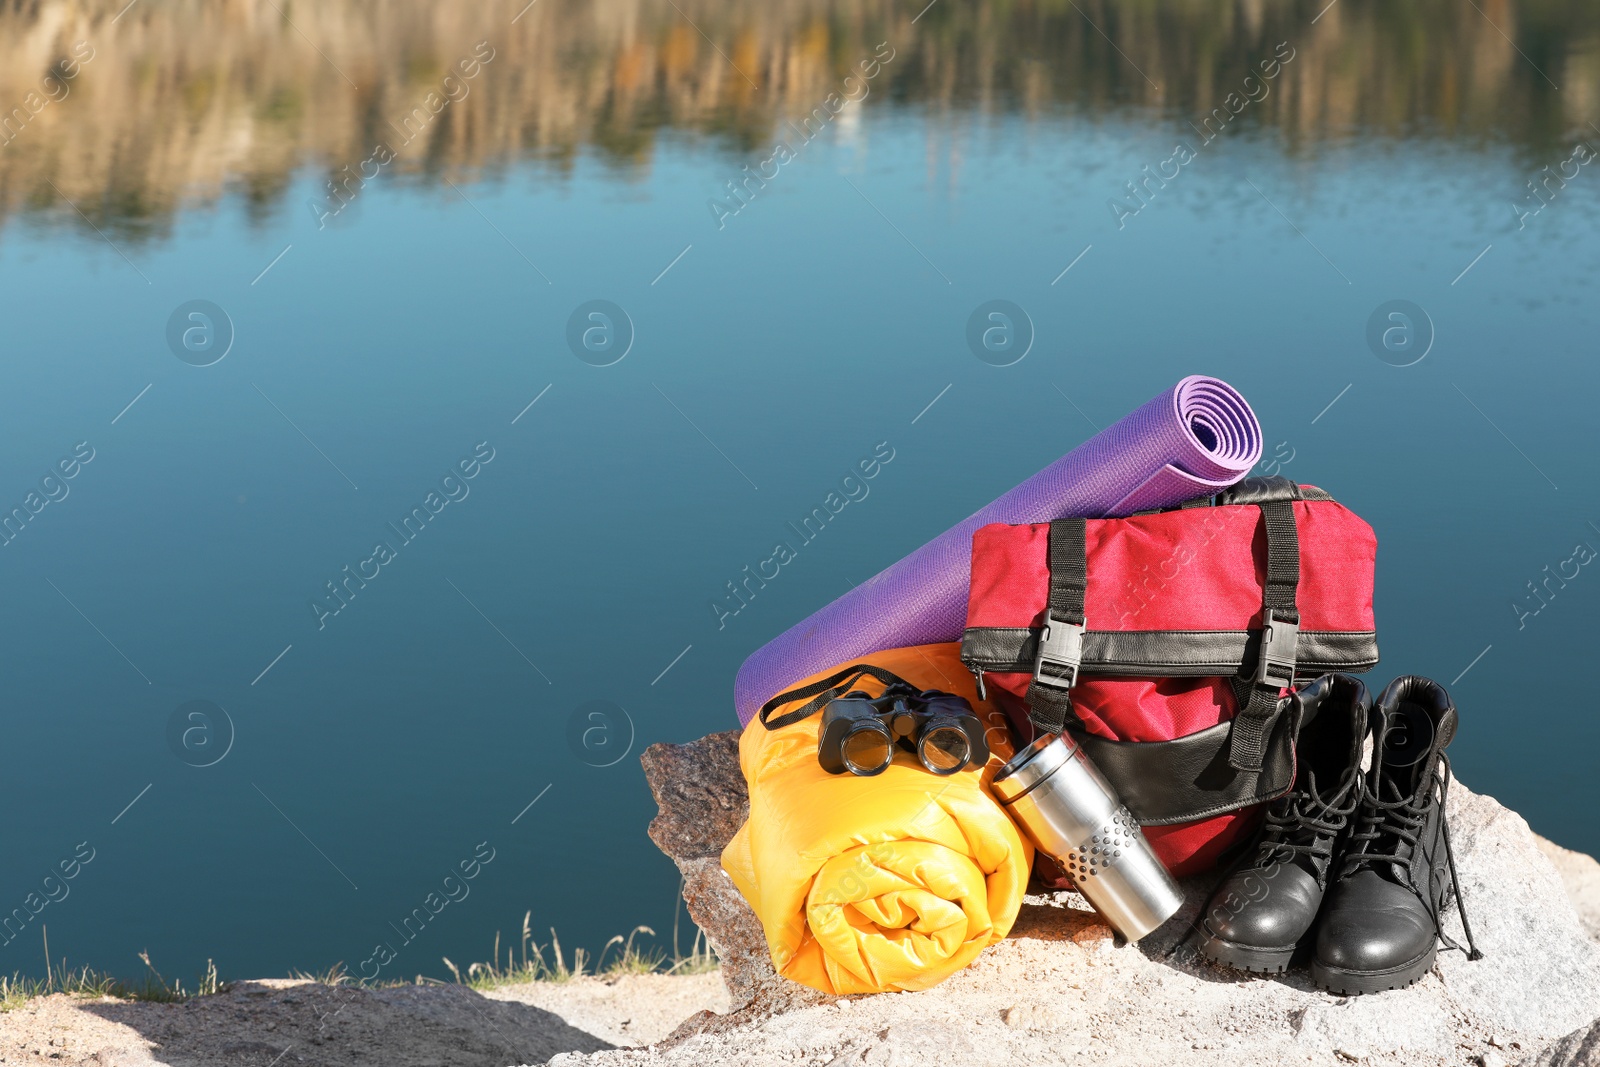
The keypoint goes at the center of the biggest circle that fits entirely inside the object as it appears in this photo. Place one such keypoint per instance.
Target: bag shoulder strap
(1257, 693)
(835, 685)
(1060, 650)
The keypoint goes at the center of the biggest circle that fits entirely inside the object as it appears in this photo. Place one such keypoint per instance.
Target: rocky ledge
(1062, 989)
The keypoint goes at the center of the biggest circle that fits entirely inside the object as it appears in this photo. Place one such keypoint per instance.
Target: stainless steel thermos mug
(1069, 810)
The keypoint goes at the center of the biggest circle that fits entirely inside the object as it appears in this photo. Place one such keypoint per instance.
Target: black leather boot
(1381, 924)
(1259, 914)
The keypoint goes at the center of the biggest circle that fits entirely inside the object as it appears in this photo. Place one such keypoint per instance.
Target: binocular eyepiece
(860, 733)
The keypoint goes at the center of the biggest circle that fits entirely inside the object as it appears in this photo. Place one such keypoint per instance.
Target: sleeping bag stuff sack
(1164, 641)
(874, 884)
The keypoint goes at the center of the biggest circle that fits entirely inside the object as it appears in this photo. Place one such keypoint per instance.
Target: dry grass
(527, 962)
(530, 961)
(17, 990)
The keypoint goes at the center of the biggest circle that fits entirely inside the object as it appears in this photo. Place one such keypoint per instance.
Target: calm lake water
(359, 549)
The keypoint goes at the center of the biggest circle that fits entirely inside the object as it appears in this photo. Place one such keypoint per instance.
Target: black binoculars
(860, 733)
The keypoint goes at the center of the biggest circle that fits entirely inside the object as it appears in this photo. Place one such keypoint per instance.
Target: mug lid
(1031, 765)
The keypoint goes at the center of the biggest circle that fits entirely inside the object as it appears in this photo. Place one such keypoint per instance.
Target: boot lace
(1304, 824)
(1385, 825)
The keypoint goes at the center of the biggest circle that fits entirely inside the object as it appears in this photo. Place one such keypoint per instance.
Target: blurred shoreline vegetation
(188, 101)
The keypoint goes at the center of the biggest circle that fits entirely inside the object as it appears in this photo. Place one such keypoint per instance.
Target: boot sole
(1243, 957)
(1349, 983)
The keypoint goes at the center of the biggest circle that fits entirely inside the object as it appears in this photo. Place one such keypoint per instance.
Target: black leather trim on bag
(1260, 490)
(1168, 653)
(1189, 778)
(1268, 489)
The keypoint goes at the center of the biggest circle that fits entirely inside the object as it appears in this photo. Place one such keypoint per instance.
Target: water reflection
(129, 112)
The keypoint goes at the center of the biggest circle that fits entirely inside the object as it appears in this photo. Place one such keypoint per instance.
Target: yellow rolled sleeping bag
(891, 882)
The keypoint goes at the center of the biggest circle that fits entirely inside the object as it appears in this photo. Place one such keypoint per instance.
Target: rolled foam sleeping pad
(1195, 439)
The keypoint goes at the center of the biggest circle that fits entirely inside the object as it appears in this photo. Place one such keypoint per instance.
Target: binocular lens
(944, 749)
(867, 750)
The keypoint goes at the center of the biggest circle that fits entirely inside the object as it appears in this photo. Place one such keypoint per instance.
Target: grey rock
(1581, 875)
(1581, 1048)
(1542, 973)
(1062, 981)
(701, 794)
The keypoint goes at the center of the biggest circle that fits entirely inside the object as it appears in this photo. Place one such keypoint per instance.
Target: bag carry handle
(835, 685)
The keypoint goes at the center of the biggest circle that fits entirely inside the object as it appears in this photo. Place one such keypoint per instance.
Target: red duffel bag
(1164, 642)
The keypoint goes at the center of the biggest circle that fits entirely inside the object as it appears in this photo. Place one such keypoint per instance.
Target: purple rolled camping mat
(1195, 439)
